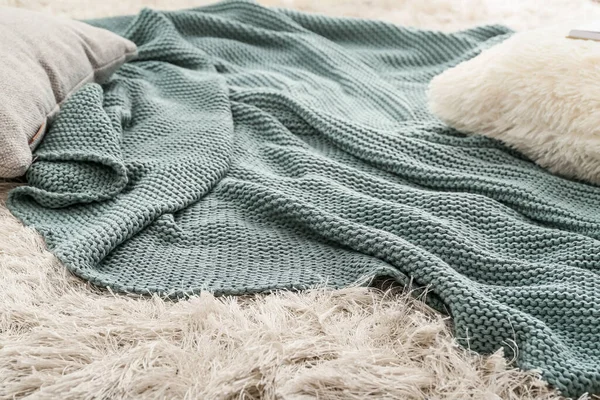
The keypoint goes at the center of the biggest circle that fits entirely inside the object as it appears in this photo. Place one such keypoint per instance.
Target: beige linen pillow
(538, 92)
(43, 60)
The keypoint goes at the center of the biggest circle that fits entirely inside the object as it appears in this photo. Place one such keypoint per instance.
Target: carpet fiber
(22, 330)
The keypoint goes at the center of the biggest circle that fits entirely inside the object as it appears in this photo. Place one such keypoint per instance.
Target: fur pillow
(44, 60)
(538, 92)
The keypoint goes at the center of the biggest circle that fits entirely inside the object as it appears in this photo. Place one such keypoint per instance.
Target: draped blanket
(250, 149)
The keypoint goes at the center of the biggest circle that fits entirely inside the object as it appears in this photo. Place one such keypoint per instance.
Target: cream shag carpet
(61, 338)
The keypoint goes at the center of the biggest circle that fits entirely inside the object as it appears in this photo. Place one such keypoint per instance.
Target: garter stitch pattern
(250, 149)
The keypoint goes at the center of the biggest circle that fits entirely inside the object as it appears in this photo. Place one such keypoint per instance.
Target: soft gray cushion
(43, 60)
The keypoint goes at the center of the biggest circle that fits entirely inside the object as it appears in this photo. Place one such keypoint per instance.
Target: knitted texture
(250, 149)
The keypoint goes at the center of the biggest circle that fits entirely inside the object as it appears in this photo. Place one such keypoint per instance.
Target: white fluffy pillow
(538, 92)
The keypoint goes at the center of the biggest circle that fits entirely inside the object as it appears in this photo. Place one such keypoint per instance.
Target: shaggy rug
(61, 338)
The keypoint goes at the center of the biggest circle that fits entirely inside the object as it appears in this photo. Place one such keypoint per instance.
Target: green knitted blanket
(250, 149)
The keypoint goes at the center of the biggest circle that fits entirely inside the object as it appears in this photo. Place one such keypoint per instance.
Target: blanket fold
(250, 149)
(89, 167)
